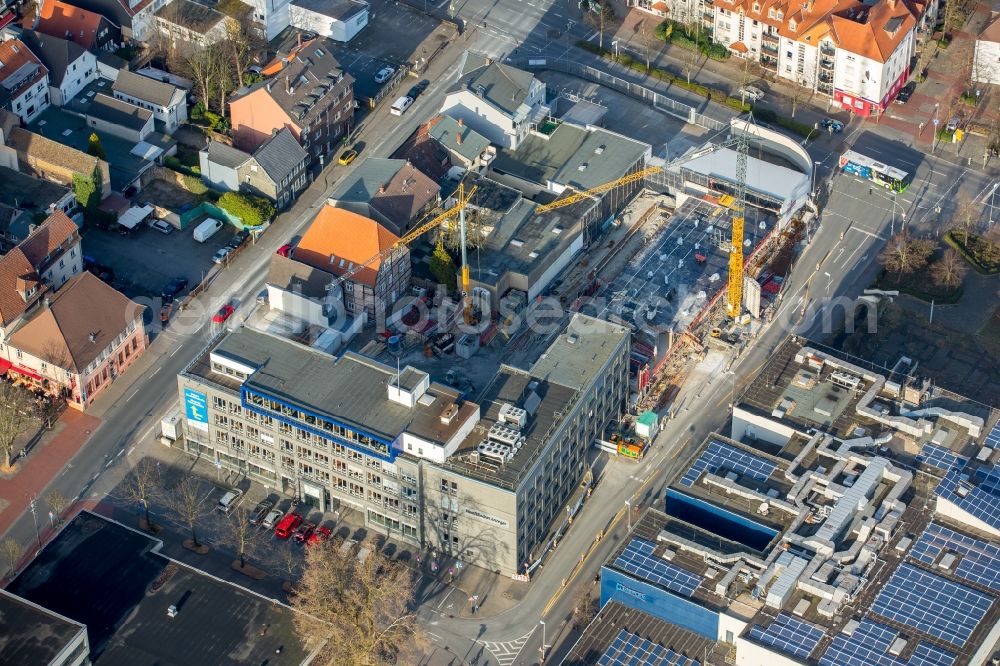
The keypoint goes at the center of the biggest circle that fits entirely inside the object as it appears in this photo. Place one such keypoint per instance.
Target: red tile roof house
(337, 241)
(63, 330)
(89, 29)
(24, 81)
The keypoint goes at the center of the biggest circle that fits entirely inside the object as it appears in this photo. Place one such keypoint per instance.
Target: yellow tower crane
(736, 203)
(462, 199)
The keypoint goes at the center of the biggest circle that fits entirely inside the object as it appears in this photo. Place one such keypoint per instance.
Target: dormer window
(770, 12)
(781, 14)
(791, 25)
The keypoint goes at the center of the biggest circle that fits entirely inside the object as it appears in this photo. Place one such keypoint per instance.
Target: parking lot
(146, 259)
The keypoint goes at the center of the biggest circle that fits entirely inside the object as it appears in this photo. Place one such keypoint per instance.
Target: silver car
(162, 226)
(751, 93)
(382, 75)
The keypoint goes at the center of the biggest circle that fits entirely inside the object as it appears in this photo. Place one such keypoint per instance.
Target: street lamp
(542, 649)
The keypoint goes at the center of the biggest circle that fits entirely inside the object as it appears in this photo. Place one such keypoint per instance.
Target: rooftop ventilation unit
(505, 433)
(513, 415)
(494, 451)
(846, 380)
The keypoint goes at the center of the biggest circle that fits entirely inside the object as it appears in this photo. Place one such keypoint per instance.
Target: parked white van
(400, 106)
(207, 229)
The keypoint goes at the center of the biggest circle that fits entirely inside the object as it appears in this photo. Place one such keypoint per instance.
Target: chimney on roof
(381, 188)
(458, 138)
(298, 40)
(461, 123)
(92, 337)
(489, 61)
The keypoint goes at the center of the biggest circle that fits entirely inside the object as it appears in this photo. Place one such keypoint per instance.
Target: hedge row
(254, 211)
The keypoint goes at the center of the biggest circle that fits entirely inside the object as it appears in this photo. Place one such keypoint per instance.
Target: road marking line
(450, 590)
(108, 464)
(131, 450)
(155, 371)
(131, 395)
(119, 454)
(174, 351)
(434, 636)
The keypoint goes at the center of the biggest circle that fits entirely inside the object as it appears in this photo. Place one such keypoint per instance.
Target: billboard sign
(196, 409)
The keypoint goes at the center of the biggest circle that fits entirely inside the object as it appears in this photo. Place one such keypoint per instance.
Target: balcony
(828, 50)
(767, 47)
(826, 63)
(825, 88)
(769, 37)
(826, 78)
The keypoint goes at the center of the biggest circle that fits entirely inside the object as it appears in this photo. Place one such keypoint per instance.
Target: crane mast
(738, 207)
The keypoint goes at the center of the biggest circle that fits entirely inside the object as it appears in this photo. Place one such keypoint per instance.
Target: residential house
(14, 226)
(42, 157)
(498, 101)
(857, 53)
(34, 195)
(24, 81)
(277, 170)
(340, 20)
(220, 164)
(89, 29)
(167, 101)
(187, 24)
(465, 147)
(986, 61)
(393, 192)
(135, 17)
(71, 66)
(44, 261)
(312, 96)
(79, 340)
(344, 243)
(685, 12)
(117, 117)
(108, 65)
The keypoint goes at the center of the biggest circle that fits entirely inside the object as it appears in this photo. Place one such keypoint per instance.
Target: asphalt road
(131, 409)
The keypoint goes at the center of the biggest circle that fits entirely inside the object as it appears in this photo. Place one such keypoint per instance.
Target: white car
(382, 75)
(751, 93)
(230, 500)
(220, 256)
(162, 226)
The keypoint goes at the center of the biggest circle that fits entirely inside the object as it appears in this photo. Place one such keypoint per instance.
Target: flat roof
(24, 192)
(340, 10)
(351, 389)
(579, 352)
(30, 634)
(614, 618)
(762, 176)
(108, 577)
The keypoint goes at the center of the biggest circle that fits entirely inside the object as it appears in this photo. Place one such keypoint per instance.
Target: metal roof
(280, 155)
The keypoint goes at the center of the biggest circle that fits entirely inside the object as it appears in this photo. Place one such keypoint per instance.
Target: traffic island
(248, 570)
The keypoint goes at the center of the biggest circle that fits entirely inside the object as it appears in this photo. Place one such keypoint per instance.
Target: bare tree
(204, 67)
(361, 611)
(241, 534)
(989, 246)
(16, 416)
(142, 486)
(950, 269)
(904, 254)
(12, 551)
(964, 217)
(799, 92)
(57, 503)
(244, 43)
(187, 499)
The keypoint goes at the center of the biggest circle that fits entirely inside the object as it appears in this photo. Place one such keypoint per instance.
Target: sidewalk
(56, 448)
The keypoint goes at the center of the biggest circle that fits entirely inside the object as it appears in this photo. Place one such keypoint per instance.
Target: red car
(304, 532)
(321, 535)
(224, 313)
(284, 529)
(285, 249)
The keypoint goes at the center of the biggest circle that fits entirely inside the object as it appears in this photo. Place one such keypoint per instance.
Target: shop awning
(27, 373)
(4, 365)
(134, 215)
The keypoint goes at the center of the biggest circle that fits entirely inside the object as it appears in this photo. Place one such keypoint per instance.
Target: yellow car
(347, 157)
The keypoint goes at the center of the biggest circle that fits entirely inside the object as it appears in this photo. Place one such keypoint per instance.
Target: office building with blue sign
(851, 520)
(419, 460)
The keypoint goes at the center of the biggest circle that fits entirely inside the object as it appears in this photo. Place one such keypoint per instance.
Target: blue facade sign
(637, 594)
(195, 406)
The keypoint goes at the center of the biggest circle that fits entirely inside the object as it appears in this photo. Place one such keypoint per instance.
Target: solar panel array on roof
(993, 439)
(638, 560)
(980, 560)
(789, 635)
(718, 456)
(940, 457)
(869, 645)
(932, 604)
(981, 501)
(628, 649)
